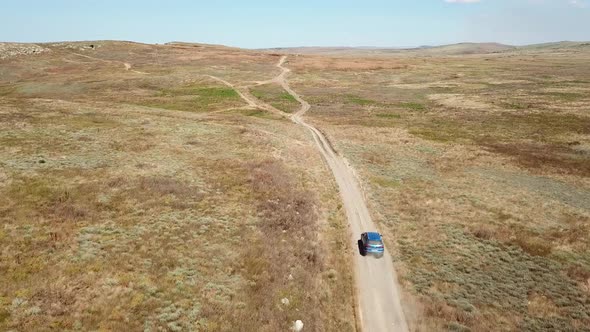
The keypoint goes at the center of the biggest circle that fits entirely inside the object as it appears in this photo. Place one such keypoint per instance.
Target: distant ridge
(467, 48)
(198, 45)
(558, 45)
(451, 49)
(8, 48)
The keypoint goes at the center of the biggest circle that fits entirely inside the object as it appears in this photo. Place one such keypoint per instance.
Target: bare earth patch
(461, 101)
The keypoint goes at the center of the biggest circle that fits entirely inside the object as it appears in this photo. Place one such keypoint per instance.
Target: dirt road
(126, 65)
(379, 305)
(245, 94)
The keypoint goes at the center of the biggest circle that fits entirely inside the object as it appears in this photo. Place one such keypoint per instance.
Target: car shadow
(361, 248)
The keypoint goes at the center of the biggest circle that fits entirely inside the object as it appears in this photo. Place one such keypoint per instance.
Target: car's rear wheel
(361, 246)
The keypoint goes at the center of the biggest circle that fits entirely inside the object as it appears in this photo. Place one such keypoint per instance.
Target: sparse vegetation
(258, 113)
(356, 100)
(477, 176)
(389, 115)
(274, 95)
(194, 98)
(413, 106)
(117, 216)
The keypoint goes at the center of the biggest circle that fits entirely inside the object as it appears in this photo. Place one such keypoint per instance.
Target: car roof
(373, 236)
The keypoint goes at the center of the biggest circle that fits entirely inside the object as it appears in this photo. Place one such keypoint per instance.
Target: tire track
(379, 303)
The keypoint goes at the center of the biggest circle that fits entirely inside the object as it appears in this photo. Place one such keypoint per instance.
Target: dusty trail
(126, 65)
(252, 101)
(379, 304)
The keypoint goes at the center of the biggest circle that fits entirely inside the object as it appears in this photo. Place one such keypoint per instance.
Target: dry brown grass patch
(541, 306)
(347, 64)
(545, 156)
(286, 246)
(164, 186)
(533, 245)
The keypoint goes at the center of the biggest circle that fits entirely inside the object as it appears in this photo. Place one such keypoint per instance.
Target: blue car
(371, 243)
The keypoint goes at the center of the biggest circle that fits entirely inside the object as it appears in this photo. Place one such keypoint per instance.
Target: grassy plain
(476, 168)
(136, 193)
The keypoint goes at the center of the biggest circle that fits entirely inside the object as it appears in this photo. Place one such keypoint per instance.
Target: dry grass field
(477, 169)
(137, 193)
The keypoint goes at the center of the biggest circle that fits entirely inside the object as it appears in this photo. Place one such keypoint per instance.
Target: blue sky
(264, 23)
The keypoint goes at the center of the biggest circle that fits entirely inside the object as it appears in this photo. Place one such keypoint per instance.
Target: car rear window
(375, 243)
